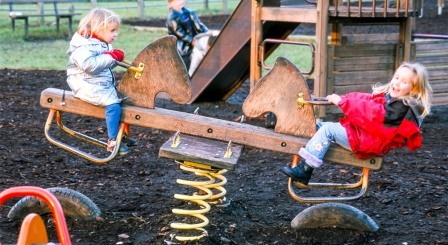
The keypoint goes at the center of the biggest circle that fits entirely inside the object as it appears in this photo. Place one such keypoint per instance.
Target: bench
(40, 13)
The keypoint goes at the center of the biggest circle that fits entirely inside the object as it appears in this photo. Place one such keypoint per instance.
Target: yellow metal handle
(128, 65)
(127, 62)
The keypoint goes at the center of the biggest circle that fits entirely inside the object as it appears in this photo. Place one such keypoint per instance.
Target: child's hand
(119, 54)
(334, 98)
(116, 54)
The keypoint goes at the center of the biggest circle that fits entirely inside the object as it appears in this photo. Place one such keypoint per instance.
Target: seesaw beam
(196, 125)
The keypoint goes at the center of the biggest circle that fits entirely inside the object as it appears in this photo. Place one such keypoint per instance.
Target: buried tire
(271, 120)
(74, 204)
(334, 214)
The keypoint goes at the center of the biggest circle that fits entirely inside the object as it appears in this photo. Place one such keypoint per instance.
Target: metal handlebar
(313, 101)
(128, 65)
(318, 101)
(281, 41)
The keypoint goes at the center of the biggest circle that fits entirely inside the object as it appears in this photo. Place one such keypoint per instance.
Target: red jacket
(375, 124)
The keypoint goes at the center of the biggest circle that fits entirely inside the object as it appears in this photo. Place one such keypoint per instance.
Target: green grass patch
(46, 49)
(51, 53)
(300, 55)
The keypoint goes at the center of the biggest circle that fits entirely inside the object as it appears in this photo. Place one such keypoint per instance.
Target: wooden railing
(374, 8)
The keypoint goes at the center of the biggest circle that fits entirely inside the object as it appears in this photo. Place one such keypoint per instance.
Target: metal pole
(40, 10)
(141, 8)
(92, 4)
(225, 7)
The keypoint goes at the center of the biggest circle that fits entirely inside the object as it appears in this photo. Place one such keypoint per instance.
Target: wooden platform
(203, 151)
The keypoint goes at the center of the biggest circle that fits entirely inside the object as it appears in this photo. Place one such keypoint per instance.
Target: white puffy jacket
(89, 71)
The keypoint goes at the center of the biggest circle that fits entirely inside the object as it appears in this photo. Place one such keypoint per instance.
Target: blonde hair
(96, 20)
(421, 89)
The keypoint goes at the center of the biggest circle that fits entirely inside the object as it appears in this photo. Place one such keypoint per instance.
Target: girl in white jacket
(89, 69)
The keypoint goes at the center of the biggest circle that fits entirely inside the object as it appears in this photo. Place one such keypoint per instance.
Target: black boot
(301, 173)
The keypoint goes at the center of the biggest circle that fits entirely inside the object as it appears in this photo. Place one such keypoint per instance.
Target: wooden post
(256, 36)
(336, 39)
(330, 75)
(320, 73)
(405, 37)
(40, 10)
(71, 8)
(205, 4)
(141, 8)
(408, 39)
(92, 4)
(440, 4)
(412, 46)
(336, 29)
(225, 7)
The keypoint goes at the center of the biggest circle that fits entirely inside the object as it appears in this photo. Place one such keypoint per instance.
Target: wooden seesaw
(282, 91)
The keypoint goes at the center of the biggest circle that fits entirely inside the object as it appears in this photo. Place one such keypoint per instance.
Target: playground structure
(295, 113)
(60, 202)
(33, 228)
(147, 75)
(342, 63)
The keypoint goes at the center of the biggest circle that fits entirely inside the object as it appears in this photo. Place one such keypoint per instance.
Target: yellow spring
(218, 186)
(204, 194)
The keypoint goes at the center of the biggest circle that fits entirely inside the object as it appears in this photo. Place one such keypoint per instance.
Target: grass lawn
(46, 49)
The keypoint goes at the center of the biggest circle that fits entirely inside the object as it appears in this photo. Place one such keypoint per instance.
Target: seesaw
(282, 91)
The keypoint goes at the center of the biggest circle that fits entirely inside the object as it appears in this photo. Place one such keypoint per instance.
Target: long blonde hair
(421, 89)
(96, 20)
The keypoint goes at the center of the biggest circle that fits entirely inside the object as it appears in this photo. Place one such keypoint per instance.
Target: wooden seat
(213, 153)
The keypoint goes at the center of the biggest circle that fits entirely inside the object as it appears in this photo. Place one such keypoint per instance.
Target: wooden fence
(363, 60)
(140, 5)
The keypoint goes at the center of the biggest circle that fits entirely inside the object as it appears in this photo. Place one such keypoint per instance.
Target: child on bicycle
(89, 69)
(374, 123)
(185, 25)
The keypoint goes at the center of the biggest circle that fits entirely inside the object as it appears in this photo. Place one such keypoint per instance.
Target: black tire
(271, 120)
(74, 204)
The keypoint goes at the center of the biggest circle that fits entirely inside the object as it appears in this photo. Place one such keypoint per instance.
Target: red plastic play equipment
(31, 221)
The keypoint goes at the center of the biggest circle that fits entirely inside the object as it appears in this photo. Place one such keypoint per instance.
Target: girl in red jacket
(374, 123)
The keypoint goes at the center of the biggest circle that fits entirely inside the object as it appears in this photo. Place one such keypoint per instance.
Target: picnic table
(15, 15)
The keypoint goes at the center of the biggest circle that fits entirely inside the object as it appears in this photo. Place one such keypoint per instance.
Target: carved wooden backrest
(278, 92)
(164, 71)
